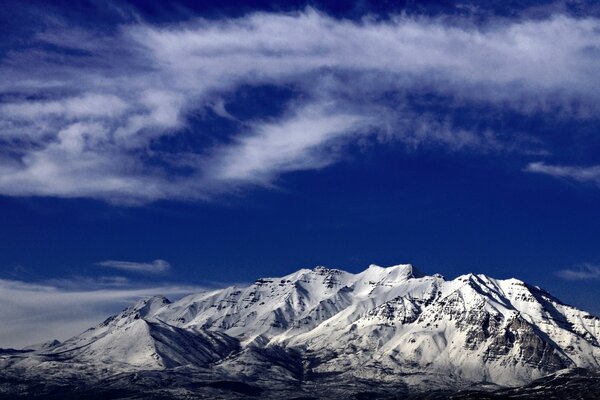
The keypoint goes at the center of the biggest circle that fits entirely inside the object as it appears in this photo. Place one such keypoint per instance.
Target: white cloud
(154, 267)
(88, 105)
(91, 132)
(294, 143)
(61, 309)
(549, 53)
(579, 174)
(583, 272)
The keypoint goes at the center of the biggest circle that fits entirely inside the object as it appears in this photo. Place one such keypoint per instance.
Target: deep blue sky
(445, 208)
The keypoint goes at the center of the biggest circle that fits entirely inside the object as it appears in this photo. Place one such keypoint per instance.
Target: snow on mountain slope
(382, 324)
(134, 338)
(482, 329)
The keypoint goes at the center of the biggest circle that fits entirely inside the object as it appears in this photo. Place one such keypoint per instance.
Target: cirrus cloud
(94, 130)
(155, 267)
(579, 174)
(583, 272)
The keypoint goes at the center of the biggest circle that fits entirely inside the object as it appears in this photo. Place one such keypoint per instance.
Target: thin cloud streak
(155, 267)
(581, 273)
(578, 174)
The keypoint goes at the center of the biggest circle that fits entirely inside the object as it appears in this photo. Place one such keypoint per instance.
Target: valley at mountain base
(185, 384)
(326, 333)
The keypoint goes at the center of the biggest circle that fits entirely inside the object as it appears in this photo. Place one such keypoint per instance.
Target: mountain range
(325, 333)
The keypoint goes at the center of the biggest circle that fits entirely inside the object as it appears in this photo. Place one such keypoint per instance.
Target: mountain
(325, 333)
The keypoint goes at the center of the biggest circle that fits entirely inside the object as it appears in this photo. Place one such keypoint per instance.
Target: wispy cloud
(582, 272)
(91, 130)
(61, 309)
(89, 105)
(579, 174)
(154, 267)
(300, 142)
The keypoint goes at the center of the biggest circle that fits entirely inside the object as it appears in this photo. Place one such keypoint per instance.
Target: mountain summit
(321, 330)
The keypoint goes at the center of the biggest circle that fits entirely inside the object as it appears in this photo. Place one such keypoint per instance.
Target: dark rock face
(481, 326)
(534, 349)
(400, 310)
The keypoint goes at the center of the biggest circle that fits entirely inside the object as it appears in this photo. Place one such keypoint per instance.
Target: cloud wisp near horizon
(39, 312)
(95, 114)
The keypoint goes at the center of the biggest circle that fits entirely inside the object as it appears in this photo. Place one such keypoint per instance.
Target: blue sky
(175, 147)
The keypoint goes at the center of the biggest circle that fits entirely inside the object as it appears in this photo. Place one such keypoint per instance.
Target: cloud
(510, 59)
(39, 312)
(298, 142)
(88, 105)
(312, 138)
(583, 272)
(579, 174)
(154, 267)
(94, 128)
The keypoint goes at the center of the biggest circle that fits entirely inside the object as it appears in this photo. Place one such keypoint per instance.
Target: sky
(180, 146)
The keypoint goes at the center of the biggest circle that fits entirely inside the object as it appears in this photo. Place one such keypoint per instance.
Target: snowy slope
(481, 329)
(385, 325)
(134, 339)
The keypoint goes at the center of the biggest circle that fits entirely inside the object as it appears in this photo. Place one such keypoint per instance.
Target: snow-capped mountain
(392, 326)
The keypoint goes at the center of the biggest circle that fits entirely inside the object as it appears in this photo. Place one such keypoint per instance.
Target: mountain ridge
(395, 327)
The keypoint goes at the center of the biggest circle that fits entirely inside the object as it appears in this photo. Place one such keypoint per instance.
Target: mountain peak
(397, 271)
(408, 270)
(321, 270)
(150, 305)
